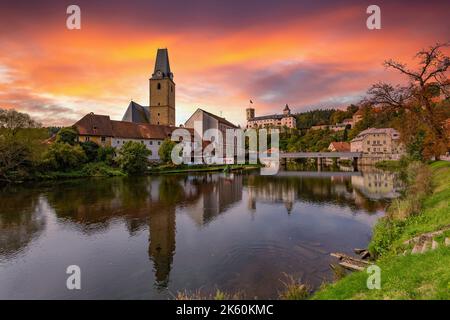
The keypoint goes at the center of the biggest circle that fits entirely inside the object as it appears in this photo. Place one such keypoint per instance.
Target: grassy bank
(99, 169)
(411, 276)
(89, 170)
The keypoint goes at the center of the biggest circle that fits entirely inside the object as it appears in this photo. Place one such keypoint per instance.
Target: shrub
(133, 157)
(63, 156)
(165, 150)
(385, 232)
(294, 290)
(100, 169)
(15, 159)
(67, 135)
(106, 154)
(91, 150)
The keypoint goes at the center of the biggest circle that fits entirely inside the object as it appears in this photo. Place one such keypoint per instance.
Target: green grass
(94, 169)
(422, 276)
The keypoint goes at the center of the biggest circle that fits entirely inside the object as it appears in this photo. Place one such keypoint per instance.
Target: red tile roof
(101, 125)
(341, 146)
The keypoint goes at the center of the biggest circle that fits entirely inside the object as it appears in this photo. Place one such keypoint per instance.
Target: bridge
(319, 156)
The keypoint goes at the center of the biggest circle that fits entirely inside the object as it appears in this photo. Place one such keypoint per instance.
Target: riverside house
(382, 144)
(106, 132)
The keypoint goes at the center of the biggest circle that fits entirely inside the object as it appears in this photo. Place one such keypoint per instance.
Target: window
(368, 149)
(103, 139)
(159, 86)
(151, 143)
(158, 114)
(368, 141)
(159, 142)
(87, 139)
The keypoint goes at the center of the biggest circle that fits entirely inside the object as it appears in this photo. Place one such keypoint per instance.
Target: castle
(271, 121)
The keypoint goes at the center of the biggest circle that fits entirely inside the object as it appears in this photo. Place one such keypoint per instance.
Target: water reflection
(21, 220)
(157, 206)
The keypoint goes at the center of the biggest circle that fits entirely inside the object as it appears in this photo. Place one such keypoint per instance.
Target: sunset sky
(308, 54)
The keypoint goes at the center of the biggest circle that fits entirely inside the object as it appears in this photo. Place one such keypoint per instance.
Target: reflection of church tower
(162, 243)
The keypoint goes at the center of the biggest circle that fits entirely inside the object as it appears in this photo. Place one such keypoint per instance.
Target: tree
(106, 154)
(165, 150)
(14, 120)
(418, 97)
(63, 156)
(67, 135)
(133, 157)
(15, 155)
(91, 150)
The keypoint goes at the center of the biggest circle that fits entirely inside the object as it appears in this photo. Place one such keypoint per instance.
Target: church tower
(162, 91)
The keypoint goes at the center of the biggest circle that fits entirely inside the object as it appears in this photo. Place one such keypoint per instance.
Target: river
(151, 237)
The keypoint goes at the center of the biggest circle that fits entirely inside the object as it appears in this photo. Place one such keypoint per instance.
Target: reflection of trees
(21, 219)
(334, 190)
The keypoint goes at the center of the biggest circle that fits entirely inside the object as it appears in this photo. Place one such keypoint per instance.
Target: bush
(385, 232)
(106, 154)
(91, 150)
(63, 157)
(15, 159)
(165, 150)
(67, 135)
(133, 157)
(100, 169)
(294, 290)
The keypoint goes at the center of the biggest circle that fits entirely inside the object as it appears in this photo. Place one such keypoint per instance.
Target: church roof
(136, 113)
(220, 119)
(101, 125)
(162, 64)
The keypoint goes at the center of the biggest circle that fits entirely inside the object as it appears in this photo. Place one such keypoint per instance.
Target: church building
(161, 108)
(149, 125)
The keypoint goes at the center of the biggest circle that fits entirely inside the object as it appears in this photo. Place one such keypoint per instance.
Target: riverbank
(406, 275)
(102, 170)
(166, 169)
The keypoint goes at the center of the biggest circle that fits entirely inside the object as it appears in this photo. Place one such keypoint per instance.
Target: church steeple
(162, 91)
(162, 65)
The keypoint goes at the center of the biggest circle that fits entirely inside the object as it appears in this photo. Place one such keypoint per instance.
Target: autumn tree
(13, 120)
(420, 96)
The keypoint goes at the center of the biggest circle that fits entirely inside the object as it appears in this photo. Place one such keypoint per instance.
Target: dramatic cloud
(223, 53)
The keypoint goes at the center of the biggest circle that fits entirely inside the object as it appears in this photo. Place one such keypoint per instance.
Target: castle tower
(250, 113)
(286, 110)
(162, 91)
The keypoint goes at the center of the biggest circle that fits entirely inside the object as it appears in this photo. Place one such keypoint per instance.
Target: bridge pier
(355, 164)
